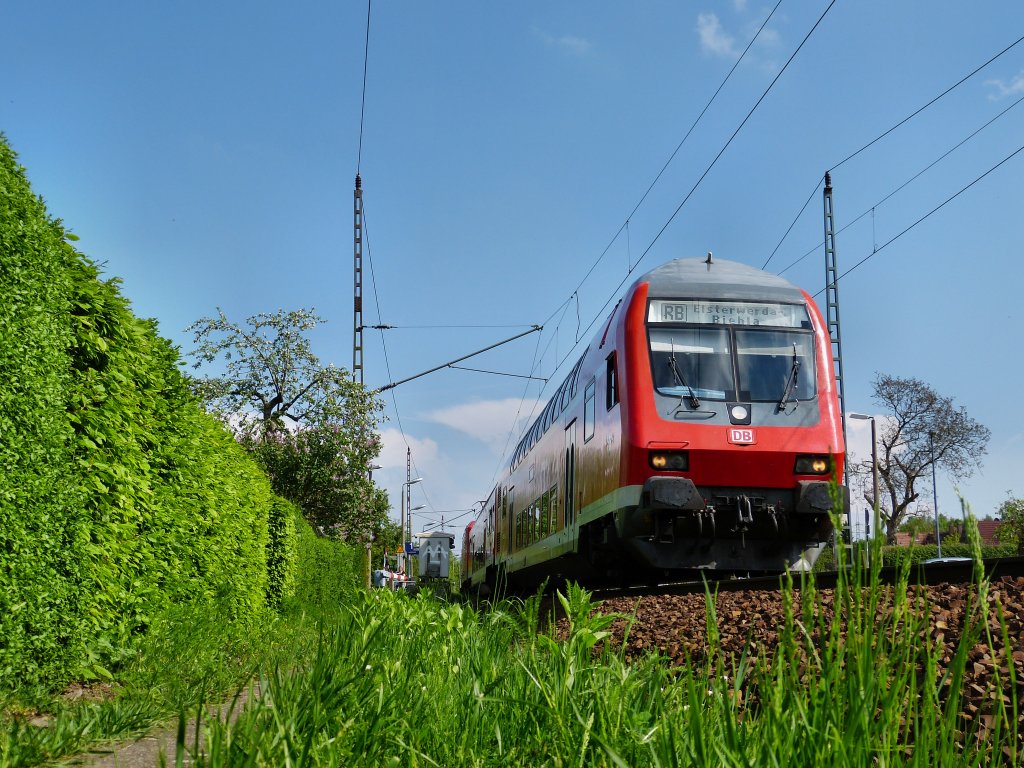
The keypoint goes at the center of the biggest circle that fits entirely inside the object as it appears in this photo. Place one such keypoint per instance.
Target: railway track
(949, 570)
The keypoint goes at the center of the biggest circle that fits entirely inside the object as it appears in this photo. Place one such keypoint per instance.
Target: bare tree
(921, 427)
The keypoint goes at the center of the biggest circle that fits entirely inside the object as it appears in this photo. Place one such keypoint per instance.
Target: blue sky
(205, 154)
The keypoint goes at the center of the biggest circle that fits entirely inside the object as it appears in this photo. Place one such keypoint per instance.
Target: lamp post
(935, 496)
(405, 487)
(876, 520)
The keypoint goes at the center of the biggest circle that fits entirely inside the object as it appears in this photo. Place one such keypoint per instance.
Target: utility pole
(357, 298)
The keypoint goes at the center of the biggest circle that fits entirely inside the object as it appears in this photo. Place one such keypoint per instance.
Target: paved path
(145, 752)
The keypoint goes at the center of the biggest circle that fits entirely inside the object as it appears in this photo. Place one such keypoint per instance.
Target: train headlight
(669, 461)
(812, 465)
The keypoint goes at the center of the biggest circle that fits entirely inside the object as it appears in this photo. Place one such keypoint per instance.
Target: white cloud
(570, 45)
(488, 421)
(714, 39)
(1002, 89)
(739, 5)
(393, 447)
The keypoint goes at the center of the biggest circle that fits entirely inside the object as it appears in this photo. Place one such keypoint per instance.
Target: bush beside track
(119, 496)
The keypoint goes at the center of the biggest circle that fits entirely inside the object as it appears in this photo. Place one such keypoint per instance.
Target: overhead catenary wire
(675, 213)
(921, 109)
(362, 104)
(738, 129)
(941, 205)
(889, 130)
(902, 186)
(625, 224)
(707, 170)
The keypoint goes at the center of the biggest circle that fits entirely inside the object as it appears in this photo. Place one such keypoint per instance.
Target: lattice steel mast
(834, 332)
(832, 299)
(357, 298)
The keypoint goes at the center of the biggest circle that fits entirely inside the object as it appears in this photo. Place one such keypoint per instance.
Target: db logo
(742, 436)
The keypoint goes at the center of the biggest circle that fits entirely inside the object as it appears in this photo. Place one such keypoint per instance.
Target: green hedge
(42, 525)
(328, 571)
(119, 496)
(894, 556)
(282, 552)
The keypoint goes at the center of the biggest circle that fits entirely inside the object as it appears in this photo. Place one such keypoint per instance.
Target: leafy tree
(311, 427)
(1011, 512)
(921, 428)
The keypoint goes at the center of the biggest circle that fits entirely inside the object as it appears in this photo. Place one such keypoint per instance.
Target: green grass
(188, 656)
(414, 682)
(389, 680)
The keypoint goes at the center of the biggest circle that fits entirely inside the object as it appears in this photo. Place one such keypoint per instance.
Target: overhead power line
(633, 267)
(707, 170)
(919, 110)
(362, 105)
(927, 215)
(738, 129)
(625, 224)
(885, 133)
(902, 186)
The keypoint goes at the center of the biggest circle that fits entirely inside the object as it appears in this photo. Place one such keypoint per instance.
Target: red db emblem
(742, 436)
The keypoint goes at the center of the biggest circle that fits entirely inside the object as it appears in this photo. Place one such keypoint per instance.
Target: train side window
(589, 410)
(611, 393)
(553, 509)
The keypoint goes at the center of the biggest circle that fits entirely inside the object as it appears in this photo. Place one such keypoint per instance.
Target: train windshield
(692, 362)
(747, 352)
(775, 365)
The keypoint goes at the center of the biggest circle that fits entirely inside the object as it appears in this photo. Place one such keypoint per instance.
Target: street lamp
(874, 470)
(405, 486)
(411, 510)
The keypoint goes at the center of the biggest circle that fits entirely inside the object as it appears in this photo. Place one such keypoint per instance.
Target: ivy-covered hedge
(119, 496)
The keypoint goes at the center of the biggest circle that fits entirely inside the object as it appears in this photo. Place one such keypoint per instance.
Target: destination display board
(703, 311)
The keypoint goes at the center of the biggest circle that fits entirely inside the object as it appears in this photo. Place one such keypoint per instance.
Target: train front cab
(732, 433)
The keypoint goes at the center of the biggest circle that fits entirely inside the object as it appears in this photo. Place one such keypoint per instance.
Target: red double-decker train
(700, 431)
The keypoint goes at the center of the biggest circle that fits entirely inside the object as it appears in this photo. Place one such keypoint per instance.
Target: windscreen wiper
(677, 374)
(791, 382)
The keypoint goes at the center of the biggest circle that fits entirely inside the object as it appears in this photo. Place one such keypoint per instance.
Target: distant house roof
(989, 530)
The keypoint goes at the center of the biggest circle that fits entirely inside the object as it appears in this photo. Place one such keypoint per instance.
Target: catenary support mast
(832, 298)
(832, 320)
(357, 298)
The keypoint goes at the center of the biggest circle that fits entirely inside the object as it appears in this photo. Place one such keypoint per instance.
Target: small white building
(434, 554)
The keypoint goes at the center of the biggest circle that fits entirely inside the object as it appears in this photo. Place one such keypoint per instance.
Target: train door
(511, 519)
(491, 530)
(570, 474)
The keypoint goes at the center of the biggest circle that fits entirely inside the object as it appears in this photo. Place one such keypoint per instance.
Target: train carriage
(700, 431)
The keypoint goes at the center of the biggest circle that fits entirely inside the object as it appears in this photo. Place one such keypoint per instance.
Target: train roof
(720, 279)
